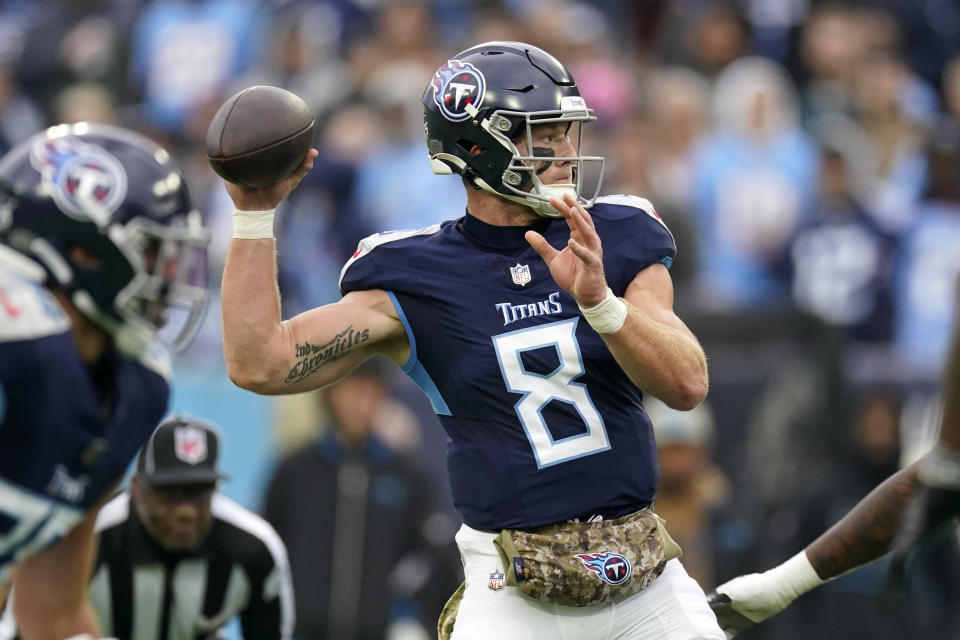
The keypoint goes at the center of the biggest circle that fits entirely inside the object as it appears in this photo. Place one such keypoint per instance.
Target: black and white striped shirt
(141, 591)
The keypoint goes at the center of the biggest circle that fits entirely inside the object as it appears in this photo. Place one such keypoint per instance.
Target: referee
(177, 560)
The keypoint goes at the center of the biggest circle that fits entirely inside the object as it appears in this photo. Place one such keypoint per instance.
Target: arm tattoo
(867, 531)
(313, 356)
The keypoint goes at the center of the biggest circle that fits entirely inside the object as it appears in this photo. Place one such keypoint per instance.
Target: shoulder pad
(371, 242)
(633, 201)
(28, 310)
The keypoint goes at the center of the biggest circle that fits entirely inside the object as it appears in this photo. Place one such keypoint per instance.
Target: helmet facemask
(521, 178)
(168, 294)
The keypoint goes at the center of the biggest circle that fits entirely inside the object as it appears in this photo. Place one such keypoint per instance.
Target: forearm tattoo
(867, 531)
(311, 357)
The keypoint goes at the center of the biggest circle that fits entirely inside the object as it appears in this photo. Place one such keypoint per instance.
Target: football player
(534, 323)
(99, 247)
(907, 506)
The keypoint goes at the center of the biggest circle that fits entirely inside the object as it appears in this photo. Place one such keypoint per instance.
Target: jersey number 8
(539, 390)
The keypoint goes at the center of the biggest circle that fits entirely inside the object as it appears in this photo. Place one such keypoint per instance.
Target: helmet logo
(455, 85)
(86, 182)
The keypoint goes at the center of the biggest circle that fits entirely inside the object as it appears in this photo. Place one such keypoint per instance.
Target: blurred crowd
(805, 154)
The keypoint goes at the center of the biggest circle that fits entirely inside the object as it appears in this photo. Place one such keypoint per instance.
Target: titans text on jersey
(544, 426)
(513, 312)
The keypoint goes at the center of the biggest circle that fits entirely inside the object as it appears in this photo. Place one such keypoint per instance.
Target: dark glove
(731, 621)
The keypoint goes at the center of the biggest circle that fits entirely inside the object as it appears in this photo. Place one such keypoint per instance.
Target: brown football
(259, 136)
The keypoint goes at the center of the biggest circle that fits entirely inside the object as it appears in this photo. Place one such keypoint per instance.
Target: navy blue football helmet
(104, 215)
(488, 97)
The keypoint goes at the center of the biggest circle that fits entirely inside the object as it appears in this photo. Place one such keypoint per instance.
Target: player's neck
(498, 211)
(92, 341)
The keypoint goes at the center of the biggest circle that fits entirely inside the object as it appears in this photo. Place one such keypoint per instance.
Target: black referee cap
(182, 450)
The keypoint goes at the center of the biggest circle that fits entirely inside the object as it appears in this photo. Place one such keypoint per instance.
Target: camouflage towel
(449, 614)
(585, 563)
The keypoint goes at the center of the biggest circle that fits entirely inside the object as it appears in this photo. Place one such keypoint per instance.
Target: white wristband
(608, 316)
(252, 225)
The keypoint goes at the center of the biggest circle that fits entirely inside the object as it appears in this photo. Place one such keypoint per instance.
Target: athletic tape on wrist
(757, 596)
(608, 316)
(796, 576)
(253, 225)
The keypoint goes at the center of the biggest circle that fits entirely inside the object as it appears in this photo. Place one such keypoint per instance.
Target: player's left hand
(578, 267)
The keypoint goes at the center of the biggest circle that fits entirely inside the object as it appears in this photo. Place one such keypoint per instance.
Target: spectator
(19, 116)
(829, 47)
(753, 185)
(353, 514)
(841, 260)
(928, 266)
(692, 488)
(896, 110)
(185, 53)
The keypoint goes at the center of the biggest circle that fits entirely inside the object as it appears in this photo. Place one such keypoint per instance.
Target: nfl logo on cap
(182, 450)
(520, 274)
(190, 444)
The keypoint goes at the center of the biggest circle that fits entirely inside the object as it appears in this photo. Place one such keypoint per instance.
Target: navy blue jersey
(62, 443)
(543, 424)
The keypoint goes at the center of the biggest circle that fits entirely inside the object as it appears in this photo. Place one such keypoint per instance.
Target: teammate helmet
(103, 214)
(486, 98)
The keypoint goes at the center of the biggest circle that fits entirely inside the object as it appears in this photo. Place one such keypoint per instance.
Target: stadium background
(804, 154)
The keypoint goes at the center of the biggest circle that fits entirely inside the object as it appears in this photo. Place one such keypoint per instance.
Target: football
(259, 136)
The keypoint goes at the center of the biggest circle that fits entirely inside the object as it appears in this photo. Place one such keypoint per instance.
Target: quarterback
(534, 322)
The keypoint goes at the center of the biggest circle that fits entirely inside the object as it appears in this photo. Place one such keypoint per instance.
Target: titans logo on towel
(609, 567)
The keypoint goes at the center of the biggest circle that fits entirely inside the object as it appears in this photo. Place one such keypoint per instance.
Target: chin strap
(540, 207)
(130, 340)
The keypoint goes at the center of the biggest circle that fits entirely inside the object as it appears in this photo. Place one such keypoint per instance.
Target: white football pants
(672, 608)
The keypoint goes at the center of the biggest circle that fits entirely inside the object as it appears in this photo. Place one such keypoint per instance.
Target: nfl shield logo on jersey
(520, 274)
(496, 581)
(190, 444)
